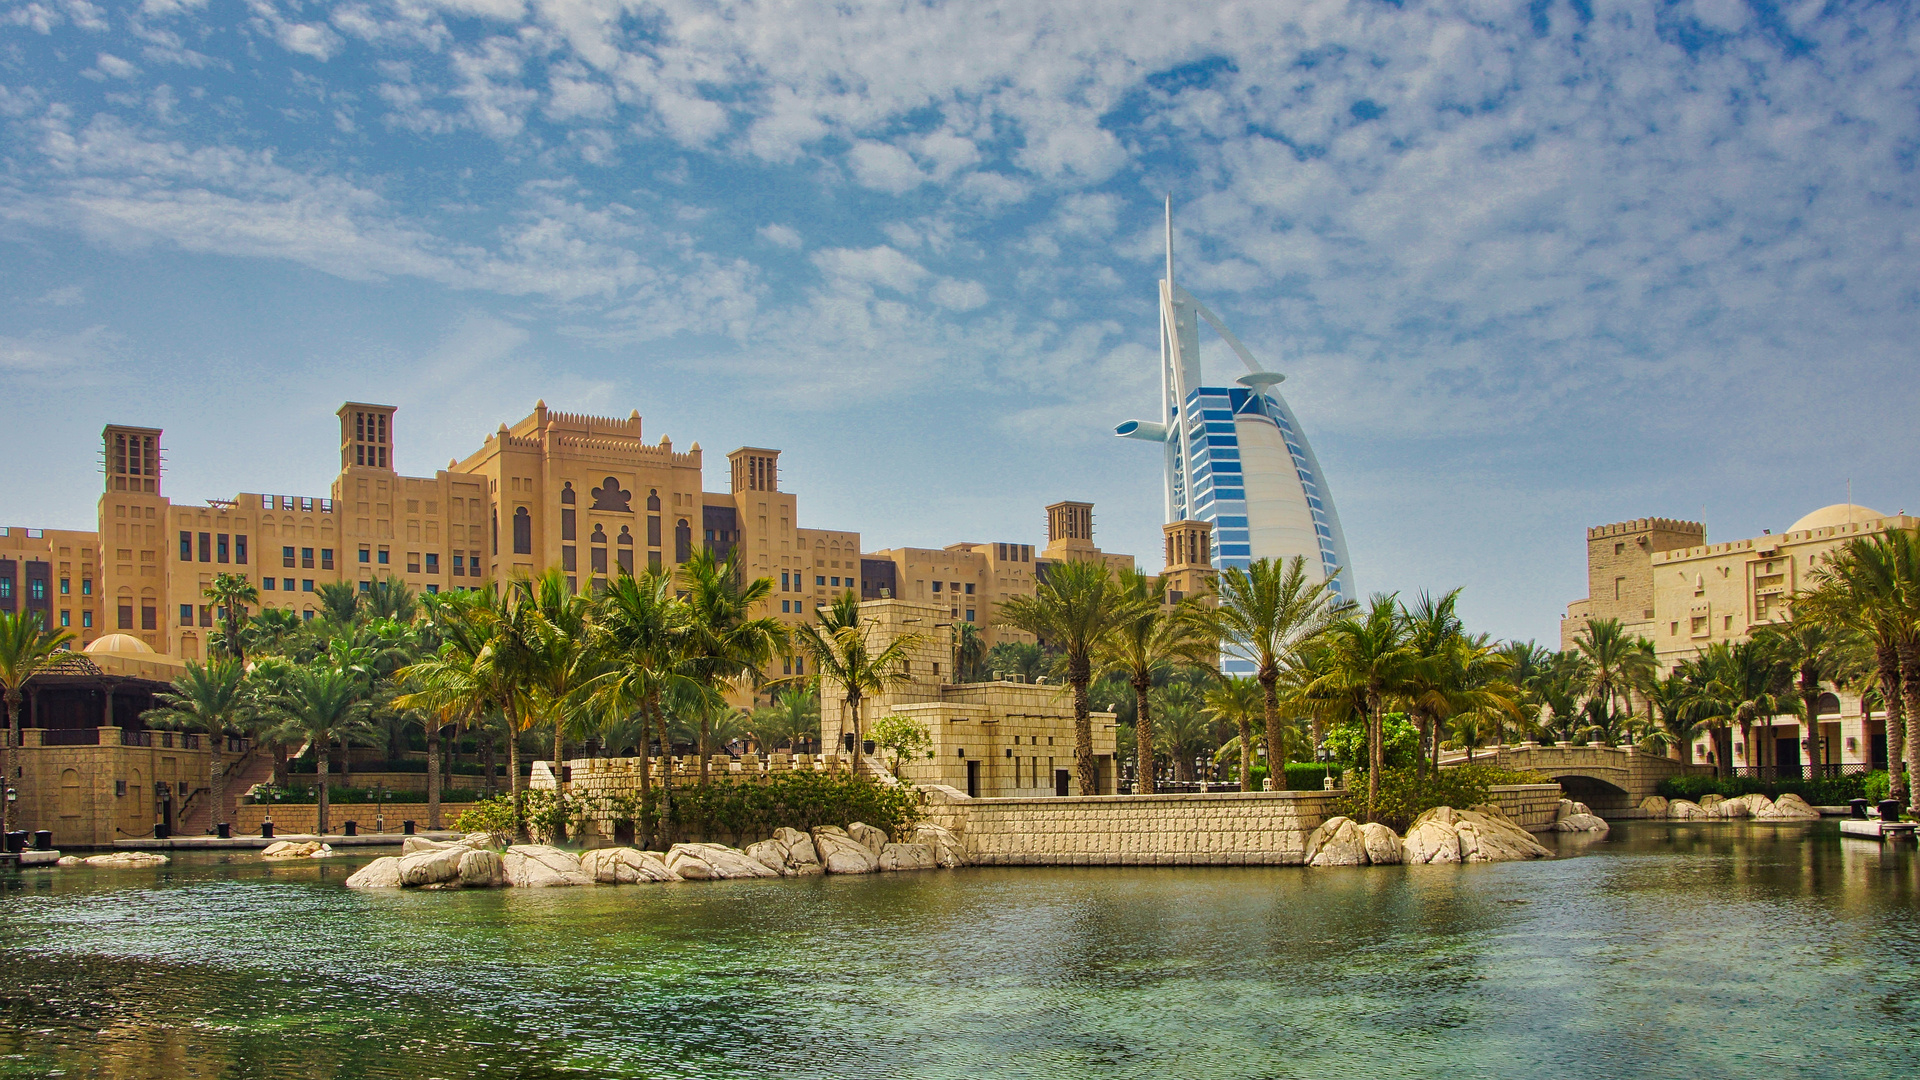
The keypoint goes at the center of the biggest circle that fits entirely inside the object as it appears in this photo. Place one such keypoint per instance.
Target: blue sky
(1529, 266)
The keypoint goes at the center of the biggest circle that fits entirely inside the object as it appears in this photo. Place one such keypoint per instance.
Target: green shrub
(1875, 786)
(1348, 743)
(1304, 776)
(1405, 794)
(1819, 791)
(742, 810)
(307, 795)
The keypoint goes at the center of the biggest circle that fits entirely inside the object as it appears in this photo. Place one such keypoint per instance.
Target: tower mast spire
(1169, 243)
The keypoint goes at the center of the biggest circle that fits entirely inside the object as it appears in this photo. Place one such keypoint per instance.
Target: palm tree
(1073, 607)
(27, 648)
(448, 686)
(389, 598)
(1185, 731)
(339, 601)
(793, 716)
(1676, 720)
(232, 594)
(724, 641)
(1816, 652)
(1157, 636)
(321, 704)
(638, 632)
(841, 649)
(969, 653)
(1267, 613)
(213, 698)
(558, 662)
(1367, 653)
(1735, 684)
(1860, 589)
(1236, 699)
(1619, 664)
(1433, 627)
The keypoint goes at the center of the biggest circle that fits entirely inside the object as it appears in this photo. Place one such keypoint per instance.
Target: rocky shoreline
(1441, 835)
(1788, 807)
(473, 862)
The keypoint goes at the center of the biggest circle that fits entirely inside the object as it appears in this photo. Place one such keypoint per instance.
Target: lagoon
(1665, 950)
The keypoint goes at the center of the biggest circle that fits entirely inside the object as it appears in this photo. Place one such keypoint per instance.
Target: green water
(1730, 950)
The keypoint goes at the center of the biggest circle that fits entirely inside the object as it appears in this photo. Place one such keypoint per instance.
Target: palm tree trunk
(559, 788)
(320, 788)
(433, 773)
(487, 785)
(1270, 709)
(1143, 734)
(645, 824)
(1887, 657)
(1376, 756)
(706, 734)
(1080, 672)
(515, 784)
(1907, 750)
(1427, 729)
(1246, 752)
(280, 775)
(216, 776)
(12, 698)
(853, 710)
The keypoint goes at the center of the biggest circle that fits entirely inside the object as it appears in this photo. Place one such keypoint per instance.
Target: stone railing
(301, 818)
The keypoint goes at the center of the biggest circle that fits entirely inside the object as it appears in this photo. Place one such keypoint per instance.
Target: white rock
(1383, 846)
(947, 849)
(1655, 805)
(907, 856)
(1431, 840)
(128, 859)
(1488, 835)
(771, 854)
(1711, 800)
(1565, 810)
(414, 844)
(287, 849)
(1789, 807)
(1337, 842)
(1581, 823)
(538, 866)
(626, 866)
(841, 853)
(381, 873)
(67, 860)
(1683, 810)
(802, 859)
(699, 862)
(432, 866)
(482, 869)
(871, 837)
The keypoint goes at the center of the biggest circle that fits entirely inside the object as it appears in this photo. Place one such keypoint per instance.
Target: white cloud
(881, 265)
(958, 295)
(781, 236)
(884, 167)
(114, 66)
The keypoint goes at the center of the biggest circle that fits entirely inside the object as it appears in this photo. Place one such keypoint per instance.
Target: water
(1687, 951)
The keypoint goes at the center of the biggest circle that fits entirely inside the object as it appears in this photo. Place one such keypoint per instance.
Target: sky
(1528, 267)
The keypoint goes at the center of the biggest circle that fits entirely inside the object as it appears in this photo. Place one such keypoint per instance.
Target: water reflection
(1685, 949)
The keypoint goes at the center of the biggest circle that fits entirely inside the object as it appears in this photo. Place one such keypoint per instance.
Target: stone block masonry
(299, 819)
(1262, 828)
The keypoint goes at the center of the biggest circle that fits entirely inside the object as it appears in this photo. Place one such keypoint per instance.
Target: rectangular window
(433, 588)
(786, 607)
(240, 549)
(384, 557)
(86, 586)
(459, 565)
(36, 589)
(653, 530)
(569, 559)
(126, 616)
(268, 583)
(413, 562)
(970, 619)
(326, 558)
(286, 556)
(970, 593)
(306, 558)
(86, 620)
(818, 580)
(366, 556)
(186, 614)
(206, 547)
(567, 525)
(365, 586)
(433, 562)
(206, 615)
(306, 584)
(800, 667)
(786, 586)
(625, 558)
(220, 548)
(66, 618)
(149, 617)
(286, 584)
(835, 582)
(186, 547)
(597, 558)
(653, 560)
(936, 586)
(66, 586)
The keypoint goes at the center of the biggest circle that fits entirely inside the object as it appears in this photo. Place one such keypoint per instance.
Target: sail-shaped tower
(1236, 455)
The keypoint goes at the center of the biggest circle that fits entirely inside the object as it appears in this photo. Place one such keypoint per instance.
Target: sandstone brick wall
(289, 820)
(1229, 829)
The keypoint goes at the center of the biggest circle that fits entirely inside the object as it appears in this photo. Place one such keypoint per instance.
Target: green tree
(1865, 587)
(793, 716)
(969, 653)
(322, 705)
(339, 601)
(840, 646)
(1735, 683)
(1433, 629)
(211, 697)
(1619, 664)
(1074, 606)
(638, 633)
(1267, 614)
(1368, 654)
(903, 738)
(1237, 699)
(725, 642)
(447, 686)
(1022, 658)
(1815, 652)
(232, 594)
(1159, 635)
(1185, 733)
(27, 649)
(389, 598)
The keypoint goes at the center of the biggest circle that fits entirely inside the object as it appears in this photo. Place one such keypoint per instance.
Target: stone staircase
(253, 767)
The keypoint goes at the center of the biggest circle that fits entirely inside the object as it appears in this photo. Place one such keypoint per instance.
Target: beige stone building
(990, 739)
(1665, 583)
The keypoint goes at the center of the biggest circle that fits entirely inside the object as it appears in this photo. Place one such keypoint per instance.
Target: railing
(1179, 787)
(70, 737)
(1798, 771)
(135, 738)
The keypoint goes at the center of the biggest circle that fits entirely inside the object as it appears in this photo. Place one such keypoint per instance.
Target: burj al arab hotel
(1236, 455)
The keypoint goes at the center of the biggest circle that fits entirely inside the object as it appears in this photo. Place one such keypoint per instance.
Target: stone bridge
(1610, 779)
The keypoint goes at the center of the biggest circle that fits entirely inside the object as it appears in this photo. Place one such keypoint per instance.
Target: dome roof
(1838, 514)
(118, 643)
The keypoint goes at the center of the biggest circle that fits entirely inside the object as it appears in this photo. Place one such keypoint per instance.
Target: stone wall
(93, 795)
(301, 818)
(1228, 829)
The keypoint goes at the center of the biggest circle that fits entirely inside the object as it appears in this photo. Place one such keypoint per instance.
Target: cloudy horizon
(1528, 267)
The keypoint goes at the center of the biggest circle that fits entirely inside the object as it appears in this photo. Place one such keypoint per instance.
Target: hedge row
(1819, 791)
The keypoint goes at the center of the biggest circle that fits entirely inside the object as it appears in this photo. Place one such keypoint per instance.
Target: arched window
(624, 538)
(522, 531)
(567, 512)
(653, 500)
(597, 556)
(567, 497)
(682, 541)
(625, 552)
